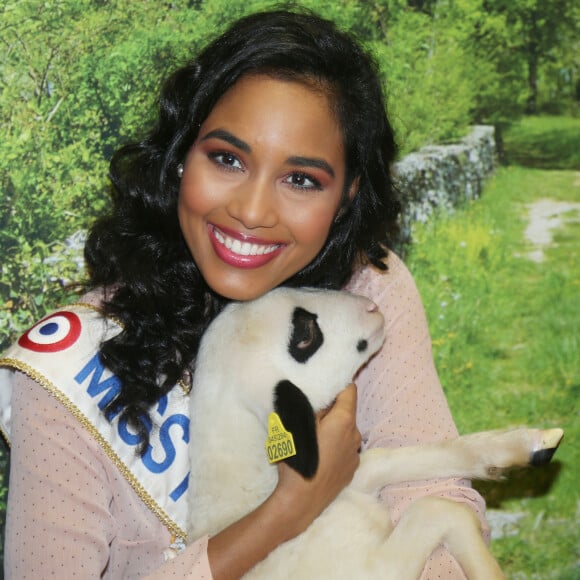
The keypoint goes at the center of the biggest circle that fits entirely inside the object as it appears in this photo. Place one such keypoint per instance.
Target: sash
(61, 354)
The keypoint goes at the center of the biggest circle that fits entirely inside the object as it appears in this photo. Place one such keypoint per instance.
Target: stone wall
(441, 177)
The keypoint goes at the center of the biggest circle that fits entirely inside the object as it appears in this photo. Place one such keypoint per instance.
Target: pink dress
(72, 514)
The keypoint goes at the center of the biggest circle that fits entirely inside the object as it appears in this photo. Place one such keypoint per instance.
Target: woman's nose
(254, 205)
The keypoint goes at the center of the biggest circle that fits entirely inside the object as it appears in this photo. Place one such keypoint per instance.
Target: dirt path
(546, 215)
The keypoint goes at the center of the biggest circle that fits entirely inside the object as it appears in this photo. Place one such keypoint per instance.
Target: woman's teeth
(244, 248)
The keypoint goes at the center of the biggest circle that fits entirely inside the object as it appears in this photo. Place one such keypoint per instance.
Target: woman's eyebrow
(229, 138)
(298, 160)
(311, 162)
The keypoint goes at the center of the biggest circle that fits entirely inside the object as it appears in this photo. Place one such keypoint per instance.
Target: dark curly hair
(138, 253)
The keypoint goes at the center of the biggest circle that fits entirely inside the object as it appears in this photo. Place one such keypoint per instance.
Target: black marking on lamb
(362, 345)
(306, 336)
(297, 416)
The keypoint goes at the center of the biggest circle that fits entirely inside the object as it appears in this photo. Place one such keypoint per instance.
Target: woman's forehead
(270, 112)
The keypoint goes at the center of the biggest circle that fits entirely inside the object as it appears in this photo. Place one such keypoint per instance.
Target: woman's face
(261, 185)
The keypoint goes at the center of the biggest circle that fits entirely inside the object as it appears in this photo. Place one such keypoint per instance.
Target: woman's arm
(59, 519)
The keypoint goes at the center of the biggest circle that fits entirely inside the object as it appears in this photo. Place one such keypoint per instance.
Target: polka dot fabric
(71, 514)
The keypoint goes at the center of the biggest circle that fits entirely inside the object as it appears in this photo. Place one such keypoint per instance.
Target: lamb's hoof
(550, 439)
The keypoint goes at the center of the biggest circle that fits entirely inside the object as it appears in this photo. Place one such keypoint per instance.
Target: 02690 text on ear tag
(280, 443)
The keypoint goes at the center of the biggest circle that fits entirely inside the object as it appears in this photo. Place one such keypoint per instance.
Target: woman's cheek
(311, 225)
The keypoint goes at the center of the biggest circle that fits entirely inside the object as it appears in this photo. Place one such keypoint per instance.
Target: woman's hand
(296, 502)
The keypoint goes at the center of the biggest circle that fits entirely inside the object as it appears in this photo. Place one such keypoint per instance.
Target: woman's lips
(240, 250)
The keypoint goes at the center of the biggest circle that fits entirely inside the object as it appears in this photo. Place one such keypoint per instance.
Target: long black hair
(138, 253)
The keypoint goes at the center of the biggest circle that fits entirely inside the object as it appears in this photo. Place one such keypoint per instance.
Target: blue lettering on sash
(180, 489)
(166, 443)
(95, 369)
(126, 435)
(162, 405)
(111, 388)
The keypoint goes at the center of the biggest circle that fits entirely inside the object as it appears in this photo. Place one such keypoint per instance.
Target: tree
(514, 39)
(541, 27)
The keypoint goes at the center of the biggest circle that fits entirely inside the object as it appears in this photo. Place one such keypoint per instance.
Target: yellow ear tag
(280, 443)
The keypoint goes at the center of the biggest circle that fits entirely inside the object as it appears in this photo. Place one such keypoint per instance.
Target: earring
(180, 170)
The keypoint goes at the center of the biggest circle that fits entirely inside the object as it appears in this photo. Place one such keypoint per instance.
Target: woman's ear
(347, 200)
(297, 415)
(352, 190)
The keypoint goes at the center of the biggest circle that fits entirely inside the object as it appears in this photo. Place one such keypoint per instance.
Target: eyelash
(218, 157)
(316, 186)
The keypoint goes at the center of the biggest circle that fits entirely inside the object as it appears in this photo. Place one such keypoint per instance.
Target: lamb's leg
(483, 455)
(428, 523)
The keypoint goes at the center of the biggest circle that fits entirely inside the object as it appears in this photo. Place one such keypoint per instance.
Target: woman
(269, 165)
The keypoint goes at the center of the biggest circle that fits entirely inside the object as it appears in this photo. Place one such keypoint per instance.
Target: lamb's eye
(306, 337)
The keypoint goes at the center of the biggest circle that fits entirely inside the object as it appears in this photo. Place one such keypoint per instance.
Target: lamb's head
(292, 351)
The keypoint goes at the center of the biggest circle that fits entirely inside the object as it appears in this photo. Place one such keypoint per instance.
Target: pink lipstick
(241, 250)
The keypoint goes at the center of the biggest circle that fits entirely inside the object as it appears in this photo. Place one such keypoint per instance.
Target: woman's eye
(303, 181)
(228, 160)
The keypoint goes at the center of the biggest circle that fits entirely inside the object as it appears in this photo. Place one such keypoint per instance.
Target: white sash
(61, 354)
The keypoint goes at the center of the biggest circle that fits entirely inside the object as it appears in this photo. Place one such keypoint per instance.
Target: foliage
(429, 93)
(524, 50)
(538, 29)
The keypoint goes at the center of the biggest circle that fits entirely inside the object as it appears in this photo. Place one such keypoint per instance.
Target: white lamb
(292, 351)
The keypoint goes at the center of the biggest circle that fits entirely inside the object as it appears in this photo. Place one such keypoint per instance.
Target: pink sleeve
(401, 401)
(70, 511)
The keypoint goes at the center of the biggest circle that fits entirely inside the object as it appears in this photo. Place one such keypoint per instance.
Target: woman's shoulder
(376, 284)
(93, 298)
(58, 350)
(51, 353)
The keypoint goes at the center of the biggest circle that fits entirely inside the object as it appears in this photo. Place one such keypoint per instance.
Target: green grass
(506, 336)
(545, 142)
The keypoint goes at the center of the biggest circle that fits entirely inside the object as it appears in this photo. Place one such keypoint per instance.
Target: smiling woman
(261, 185)
(269, 165)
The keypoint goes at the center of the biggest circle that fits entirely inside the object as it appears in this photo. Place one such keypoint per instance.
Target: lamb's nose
(372, 307)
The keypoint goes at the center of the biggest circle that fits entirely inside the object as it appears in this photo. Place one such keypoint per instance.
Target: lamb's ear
(297, 416)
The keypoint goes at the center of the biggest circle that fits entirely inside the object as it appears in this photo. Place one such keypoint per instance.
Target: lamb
(292, 351)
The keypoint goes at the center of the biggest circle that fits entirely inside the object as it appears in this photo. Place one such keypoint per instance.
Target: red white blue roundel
(57, 332)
